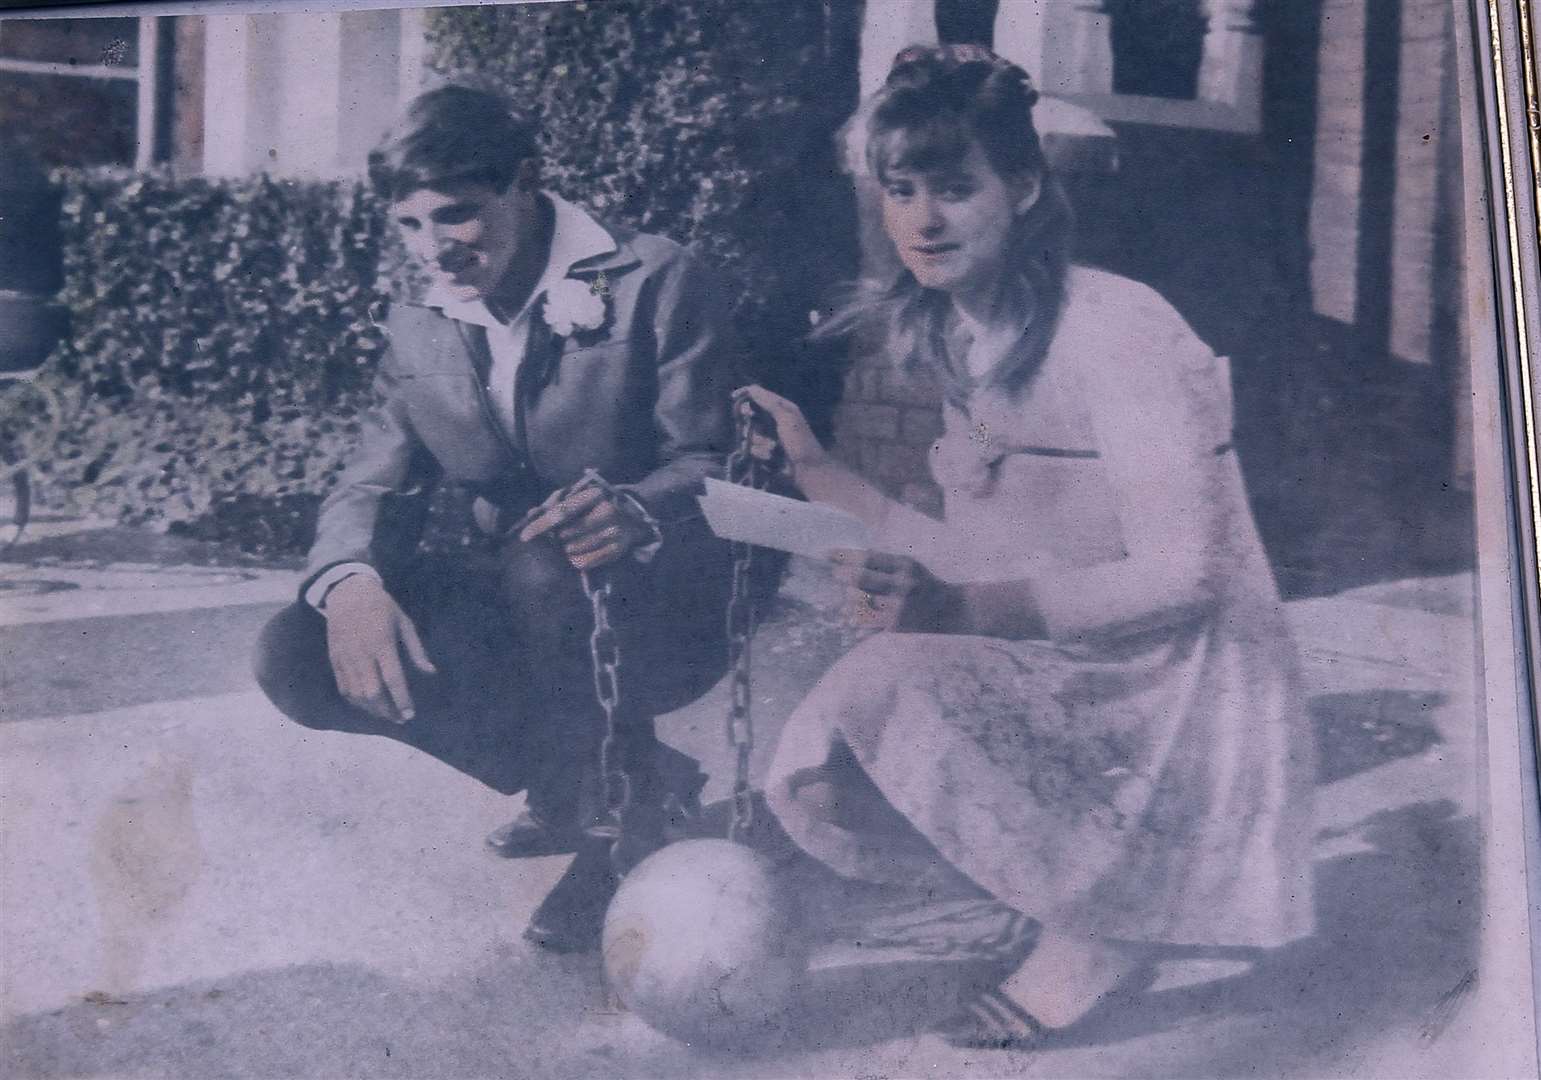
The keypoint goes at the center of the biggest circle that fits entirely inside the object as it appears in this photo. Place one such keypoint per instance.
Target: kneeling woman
(1089, 705)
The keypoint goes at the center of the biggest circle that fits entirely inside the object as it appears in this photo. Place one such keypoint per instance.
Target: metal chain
(743, 468)
(605, 652)
(605, 656)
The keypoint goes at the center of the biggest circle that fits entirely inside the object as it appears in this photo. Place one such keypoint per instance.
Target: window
(85, 91)
(1158, 46)
(1176, 63)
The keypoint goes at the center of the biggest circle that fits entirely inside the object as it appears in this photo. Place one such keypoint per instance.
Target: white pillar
(1077, 49)
(306, 94)
(224, 94)
(149, 65)
(1336, 180)
(1019, 34)
(370, 82)
(1417, 213)
(1231, 71)
(887, 27)
(413, 52)
(311, 95)
(243, 63)
(265, 82)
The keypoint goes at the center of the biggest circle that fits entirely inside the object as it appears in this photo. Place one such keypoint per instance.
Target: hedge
(223, 334)
(709, 121)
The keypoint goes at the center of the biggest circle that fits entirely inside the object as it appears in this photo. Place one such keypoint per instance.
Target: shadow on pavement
(320, 1020)
(1395, 949)
(1362, 729)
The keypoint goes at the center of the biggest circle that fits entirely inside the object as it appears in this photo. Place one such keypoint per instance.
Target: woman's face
(951, 225)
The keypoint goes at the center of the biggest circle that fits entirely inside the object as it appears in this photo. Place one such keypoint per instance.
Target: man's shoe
(572, 916)
(529, 836)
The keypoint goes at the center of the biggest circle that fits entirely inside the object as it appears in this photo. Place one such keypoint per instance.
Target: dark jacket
(643, 399)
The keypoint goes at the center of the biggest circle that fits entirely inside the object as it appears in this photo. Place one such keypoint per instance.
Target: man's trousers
(513, 703)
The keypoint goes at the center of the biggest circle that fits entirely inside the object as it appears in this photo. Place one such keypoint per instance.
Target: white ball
(703, 942)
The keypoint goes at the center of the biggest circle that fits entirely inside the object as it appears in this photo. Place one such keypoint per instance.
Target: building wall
(1384, 75)
(305, 94)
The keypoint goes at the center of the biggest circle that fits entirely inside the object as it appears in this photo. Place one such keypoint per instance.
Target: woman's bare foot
(1064, 977)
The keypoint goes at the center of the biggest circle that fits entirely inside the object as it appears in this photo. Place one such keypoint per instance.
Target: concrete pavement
(193, 887)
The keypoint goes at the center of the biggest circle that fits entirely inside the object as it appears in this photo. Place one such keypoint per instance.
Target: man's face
(466, 234)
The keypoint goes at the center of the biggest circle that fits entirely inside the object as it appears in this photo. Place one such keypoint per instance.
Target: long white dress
(1143, 774)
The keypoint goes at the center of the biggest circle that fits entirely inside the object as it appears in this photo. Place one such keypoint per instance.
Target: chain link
(605, 653)
(744, 469)
(605, 656)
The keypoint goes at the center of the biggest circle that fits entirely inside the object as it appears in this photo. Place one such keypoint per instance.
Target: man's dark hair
(453, 134)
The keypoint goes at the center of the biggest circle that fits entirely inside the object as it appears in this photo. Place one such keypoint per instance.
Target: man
(548, 345)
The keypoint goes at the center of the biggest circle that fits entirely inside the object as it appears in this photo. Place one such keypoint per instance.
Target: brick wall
(884, 428)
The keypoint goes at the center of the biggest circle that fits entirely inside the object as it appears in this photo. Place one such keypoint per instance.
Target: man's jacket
(643, 398)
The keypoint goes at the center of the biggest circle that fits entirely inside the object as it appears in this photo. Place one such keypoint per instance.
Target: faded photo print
(754, 538)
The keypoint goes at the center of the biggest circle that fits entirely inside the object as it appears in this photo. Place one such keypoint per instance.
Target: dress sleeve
(1161, 408)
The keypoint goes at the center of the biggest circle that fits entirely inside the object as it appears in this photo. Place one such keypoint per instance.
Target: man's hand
(366, 636)
(891, 592)
(591, 525)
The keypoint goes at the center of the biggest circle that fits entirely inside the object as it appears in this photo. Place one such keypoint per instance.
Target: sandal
(992, 1021)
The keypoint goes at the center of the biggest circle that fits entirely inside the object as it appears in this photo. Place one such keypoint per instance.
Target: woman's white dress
(1144, 773)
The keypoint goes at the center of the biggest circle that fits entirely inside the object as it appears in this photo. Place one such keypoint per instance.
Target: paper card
(757, 517)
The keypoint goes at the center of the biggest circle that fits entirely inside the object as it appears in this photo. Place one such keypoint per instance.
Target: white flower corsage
(573, 305)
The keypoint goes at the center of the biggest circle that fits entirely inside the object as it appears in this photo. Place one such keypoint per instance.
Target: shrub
(252, 295)
(223, 336)
(708, 121)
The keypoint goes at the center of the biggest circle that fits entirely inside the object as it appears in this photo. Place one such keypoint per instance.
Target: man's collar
(575, 238)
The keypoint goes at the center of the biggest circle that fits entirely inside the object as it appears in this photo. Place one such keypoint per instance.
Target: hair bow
(961, 53)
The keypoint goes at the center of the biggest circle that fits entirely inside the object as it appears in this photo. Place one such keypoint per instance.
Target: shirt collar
(575, 236)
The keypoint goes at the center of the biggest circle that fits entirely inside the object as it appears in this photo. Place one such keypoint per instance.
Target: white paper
(750, 516)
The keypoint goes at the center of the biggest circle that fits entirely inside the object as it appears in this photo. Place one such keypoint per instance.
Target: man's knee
(543, 595)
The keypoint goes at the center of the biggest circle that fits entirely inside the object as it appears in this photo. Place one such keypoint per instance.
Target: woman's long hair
(935, 104)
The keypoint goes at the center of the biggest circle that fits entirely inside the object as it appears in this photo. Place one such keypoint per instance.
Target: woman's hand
(801, 446)
(892, 592)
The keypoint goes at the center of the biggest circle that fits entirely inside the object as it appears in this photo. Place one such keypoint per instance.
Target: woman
(1090, 703)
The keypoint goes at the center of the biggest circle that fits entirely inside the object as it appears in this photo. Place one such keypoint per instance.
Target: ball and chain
(605, 656)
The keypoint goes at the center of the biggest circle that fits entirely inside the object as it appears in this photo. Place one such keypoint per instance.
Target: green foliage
(223, 335)
(157, 457)
(707, 121)
(253, 295)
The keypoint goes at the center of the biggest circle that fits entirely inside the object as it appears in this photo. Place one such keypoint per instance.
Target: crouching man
(548, 345)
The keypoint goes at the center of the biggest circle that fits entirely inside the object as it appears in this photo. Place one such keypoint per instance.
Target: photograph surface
(937, 538)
